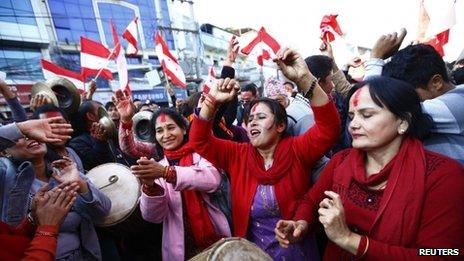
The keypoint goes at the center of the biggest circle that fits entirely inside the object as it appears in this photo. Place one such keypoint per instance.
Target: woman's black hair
(175, 116)
(280, 114)
(401, 99)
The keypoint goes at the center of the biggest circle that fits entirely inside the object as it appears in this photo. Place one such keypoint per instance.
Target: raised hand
(289, 231)
(39, 100)
(51, 207)
(98, 132)
(46, 130)
(232, 51)
(355, 62)
(326, 49)
(292, 65)
(66, 172)
(224, 90)
(388, 45)
(124, 105)
(6, 91)
(148, 170)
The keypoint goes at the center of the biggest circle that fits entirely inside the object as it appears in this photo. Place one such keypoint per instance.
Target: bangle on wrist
(30, 218)
(309, 94)
(47, 234)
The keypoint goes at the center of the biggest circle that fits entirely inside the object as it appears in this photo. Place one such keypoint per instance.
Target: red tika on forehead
(162, 117)
(356, 97)
(51, 114)
(253, 109)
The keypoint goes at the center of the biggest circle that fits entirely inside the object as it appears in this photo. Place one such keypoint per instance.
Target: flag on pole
(130, 34)
(265, 45)
(435, 20)
(51, 70)
(169, 63)
(121, 63)
(210, 81)
(94, 57)
(329, 26)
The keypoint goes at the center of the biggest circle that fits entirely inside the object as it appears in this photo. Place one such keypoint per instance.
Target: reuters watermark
(438, 252)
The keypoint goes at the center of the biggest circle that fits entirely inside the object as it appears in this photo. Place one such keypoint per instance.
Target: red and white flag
(435, 20)
(210, 81)
(94, 57)
(264, 45)
(329, 26)
(130, 34)
(169, 63)
(121, 63)
(51, 70)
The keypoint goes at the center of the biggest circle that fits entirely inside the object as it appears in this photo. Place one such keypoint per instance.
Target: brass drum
(118, 183)
(231, 249)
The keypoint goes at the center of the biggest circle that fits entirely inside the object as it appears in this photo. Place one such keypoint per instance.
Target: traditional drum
(231, 249)
(120, 186)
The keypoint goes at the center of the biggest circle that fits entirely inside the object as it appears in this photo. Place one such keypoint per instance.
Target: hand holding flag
(328, 26)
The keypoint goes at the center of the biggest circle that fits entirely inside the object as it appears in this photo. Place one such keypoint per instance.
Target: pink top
(202, 176)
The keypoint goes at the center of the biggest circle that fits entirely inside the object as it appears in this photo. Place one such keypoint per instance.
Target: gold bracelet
(367, 246)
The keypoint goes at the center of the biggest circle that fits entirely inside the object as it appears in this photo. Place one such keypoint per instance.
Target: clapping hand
(65, 171)
(289, 231)
(51, 207)
(332, 217)
(148, 170)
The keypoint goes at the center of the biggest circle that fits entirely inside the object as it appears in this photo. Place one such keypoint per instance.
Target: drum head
(231, 249)
(120, 186)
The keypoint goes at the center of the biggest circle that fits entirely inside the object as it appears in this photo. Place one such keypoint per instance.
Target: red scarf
(397, 220)
(280, 164)
(197, 213)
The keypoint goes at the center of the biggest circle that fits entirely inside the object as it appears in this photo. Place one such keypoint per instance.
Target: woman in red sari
(387, 196)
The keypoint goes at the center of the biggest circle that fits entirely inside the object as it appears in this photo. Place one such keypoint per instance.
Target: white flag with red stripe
(265, 46)
(210, 81)
(51, 70)
(169, 63)
(121, 62)
(94, 56)
(130, 34)
(435, 20)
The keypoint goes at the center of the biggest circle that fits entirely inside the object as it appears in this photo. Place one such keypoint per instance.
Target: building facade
(31, 30)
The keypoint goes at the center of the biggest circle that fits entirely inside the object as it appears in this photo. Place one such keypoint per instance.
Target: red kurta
(441, 222)
(303, 151)
(16, 243)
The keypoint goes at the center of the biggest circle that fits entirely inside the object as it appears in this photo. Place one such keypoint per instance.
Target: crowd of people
(318, 166)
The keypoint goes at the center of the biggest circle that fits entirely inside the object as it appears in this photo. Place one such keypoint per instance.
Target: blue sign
(157, 94)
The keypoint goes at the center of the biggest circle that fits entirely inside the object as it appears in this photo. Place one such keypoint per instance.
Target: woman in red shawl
(176, 191)
(387, 196)
(269, 175)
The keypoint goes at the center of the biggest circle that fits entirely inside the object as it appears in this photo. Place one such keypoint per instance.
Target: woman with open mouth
(270, 174)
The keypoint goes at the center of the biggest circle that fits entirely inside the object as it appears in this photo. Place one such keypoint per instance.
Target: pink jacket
(201, 176)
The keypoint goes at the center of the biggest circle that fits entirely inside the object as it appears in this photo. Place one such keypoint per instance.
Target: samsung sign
(157, 94)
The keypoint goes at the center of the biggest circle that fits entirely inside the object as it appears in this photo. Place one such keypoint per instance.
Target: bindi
(163, 118)
(356, 97)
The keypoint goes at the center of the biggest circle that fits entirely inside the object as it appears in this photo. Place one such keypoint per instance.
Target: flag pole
(107, 60)
(167, 87)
